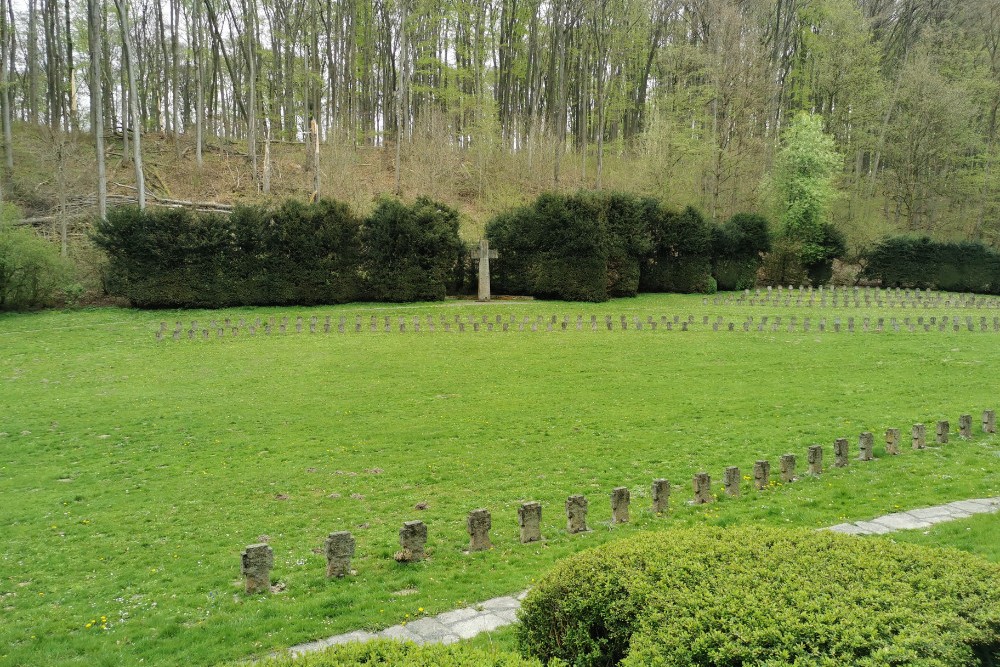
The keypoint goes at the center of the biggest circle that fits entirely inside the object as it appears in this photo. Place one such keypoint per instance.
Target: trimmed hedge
(410, 252)
(399, 654)
(294, 253)
(681, 257)
(591, 246)
(738, 248)
(922, 263)
(764, 596)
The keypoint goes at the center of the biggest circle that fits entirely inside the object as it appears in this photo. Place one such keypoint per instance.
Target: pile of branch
(84, 205)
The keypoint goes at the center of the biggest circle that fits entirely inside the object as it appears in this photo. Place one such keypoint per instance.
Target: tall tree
(94, 34)
(128, 55)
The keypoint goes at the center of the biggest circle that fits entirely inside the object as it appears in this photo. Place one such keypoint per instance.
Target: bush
(738, 247)
(398, 654)
(31, 271)
(628, 240)
(922, 263)
(410, 252)
(681, 252)
(764, 596)
(574, 247)
(294, 253)
(311, 252)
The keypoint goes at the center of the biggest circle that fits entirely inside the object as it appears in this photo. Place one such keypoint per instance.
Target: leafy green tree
(803, 184)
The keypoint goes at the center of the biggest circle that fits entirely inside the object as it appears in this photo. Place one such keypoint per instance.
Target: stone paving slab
(467, 622)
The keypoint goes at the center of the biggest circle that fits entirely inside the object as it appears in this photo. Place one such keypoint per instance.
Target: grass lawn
(133, 472)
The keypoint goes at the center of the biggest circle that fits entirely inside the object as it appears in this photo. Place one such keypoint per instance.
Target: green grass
(979, 535)
(134, 472)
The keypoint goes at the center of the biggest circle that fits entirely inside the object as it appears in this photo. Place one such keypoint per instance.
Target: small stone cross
(483, 254)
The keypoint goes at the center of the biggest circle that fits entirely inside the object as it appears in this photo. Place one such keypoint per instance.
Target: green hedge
(764, 596)
(293, 253)
(410, 252)
(681, 255)
(922, 263)
(738, 247)
(390, 653)
(591, 246)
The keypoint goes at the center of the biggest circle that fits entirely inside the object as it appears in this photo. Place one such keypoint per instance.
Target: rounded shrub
(765, 596)
(389, 653)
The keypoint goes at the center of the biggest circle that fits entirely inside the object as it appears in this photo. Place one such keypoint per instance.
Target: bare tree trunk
(32, 65)
(199, 111)
(400, 94)
(5, 62)
(74, 122)
(128, 54)
(97, 104)
(314, 128)
(267, 157)
(175, 16)
(60, 141)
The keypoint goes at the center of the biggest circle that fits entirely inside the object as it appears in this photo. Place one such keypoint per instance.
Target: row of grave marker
(257, 560)
(855, 296)
(417, 324)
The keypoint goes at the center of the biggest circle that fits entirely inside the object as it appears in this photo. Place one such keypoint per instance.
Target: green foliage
(31, 271)
(919, 262)
(572, 256)
(681, 257)
(392, 653)
(765, 596)
(295, 253)
(803, 181)
(308, 253)
(581, 247)
(593, 245)
(411, 252)
(738, 247)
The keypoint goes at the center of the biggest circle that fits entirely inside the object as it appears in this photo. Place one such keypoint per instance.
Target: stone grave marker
(478, 525)
(339, 548)
(965, 426)
(702, 484)
(529, 518)
(989, 421)
(840, 454)
(620, 498)
(866, 446)
(892, 438)
(787, 463)
(731, 481)
(761, 475)
(256, 562)
(815, 459)
(412, 541)
(919, 436)
(576, 514)
(941, 432)
(661, 495)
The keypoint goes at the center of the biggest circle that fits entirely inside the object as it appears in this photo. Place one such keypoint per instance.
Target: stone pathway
(921, 518)
(468, 622)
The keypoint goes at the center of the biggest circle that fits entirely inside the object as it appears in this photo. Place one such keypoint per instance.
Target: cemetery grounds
(134, 470)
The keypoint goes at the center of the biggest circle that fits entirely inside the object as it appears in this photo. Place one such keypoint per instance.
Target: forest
(486, 103)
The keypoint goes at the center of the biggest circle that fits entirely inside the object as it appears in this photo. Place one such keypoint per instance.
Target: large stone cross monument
(484, 255)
